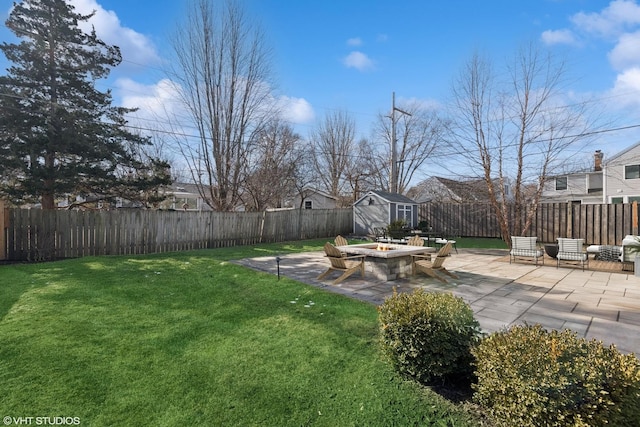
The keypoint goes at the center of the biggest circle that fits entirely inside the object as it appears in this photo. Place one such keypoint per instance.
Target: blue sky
(351, 55)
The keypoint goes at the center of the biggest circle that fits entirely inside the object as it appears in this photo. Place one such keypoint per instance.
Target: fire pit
(383, 247)
(387, 261)
(551, 250)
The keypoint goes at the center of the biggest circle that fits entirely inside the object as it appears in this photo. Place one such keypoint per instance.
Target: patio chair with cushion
(628, 252)
(423, 263)
(570, 250)
(346, 264)
(525, 247)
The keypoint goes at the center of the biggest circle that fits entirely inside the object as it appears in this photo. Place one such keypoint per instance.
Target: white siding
(616, 186)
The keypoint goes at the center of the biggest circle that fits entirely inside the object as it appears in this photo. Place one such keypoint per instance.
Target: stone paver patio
(597, 305)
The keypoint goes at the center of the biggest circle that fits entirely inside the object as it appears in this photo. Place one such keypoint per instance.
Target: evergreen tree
(59, 135)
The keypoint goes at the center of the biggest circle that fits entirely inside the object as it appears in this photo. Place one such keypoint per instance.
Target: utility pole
(393, 179)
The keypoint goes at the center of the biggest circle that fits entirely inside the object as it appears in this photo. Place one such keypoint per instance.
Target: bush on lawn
(527, 376)
(428, 336)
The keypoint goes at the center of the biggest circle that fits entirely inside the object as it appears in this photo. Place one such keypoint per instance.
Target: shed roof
(389, 197)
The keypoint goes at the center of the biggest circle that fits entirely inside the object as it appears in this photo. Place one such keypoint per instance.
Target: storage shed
(377, 209)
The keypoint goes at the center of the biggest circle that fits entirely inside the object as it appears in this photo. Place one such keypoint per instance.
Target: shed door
(405, 212)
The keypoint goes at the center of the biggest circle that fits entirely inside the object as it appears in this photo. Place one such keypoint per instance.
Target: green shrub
(428, 336)
(527, 376)
(396, 229)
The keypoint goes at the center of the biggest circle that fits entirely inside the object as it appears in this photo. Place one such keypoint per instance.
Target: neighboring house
(622, 176)
(179, 196)
(311, 198)
(584, 187)
(378, 209)
(616, 180)
(184, 197)
(438, 189)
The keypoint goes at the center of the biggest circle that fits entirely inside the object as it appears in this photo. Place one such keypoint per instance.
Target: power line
(198, 136)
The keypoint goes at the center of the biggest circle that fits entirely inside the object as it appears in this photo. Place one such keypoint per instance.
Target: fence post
(634, 218)
(4, 224)
(569, 220)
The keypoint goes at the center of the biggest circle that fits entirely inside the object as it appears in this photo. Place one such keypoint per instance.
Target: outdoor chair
(341, 241)
(628, 252)
(380, 232)
(423, 263)
(346, 264)
(415, 241)
(441, 241)
(570, 250)
(525, 247)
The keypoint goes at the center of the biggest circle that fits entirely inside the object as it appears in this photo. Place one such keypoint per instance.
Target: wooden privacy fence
(35, 234)
(601, 224)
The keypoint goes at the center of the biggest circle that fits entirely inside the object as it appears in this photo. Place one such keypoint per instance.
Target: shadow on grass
(15, 283)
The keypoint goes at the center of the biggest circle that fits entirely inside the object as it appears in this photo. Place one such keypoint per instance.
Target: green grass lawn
(480, 243)
(184, 339)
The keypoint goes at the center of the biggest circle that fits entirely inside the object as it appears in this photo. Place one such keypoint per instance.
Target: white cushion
(536, 253)
(572, 256)
(594, 249)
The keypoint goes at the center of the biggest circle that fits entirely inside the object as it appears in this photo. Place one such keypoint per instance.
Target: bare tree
(362, 176)
(418, 133)
(515, 133)
(333, 143)
(272, 168)
(222, 68)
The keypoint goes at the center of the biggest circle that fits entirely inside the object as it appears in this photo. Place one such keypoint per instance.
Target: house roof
(468, 190)
(576, 173)
(182, 187)
(475, 189)
(623, 152)
(320, 192)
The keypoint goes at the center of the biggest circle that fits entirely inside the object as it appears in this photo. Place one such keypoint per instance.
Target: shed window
(404, 213)
(308, 204)
(561, 183)
(632, 172)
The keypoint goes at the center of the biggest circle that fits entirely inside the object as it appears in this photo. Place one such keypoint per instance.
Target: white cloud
(422, 104)
(619, 25)
(627, 52)
(356, 41)
(296, 110)
(612, 21)
(158, 104)
(626, 89)
(138, 95)
(358, 60)
(135, 47)
(552, 37)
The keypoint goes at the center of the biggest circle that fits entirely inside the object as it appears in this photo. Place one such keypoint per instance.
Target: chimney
(597, 161)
